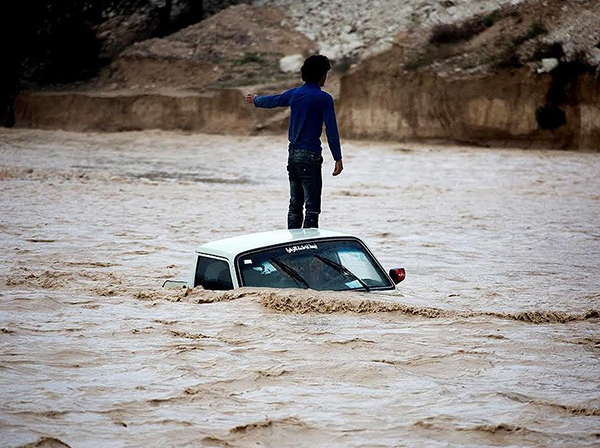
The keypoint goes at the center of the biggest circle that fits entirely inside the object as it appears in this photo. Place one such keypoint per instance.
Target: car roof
(230, 247)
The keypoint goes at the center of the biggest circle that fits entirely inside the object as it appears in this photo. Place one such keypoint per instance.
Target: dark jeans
(304, 172)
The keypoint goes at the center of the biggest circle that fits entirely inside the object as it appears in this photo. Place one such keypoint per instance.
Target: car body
(300, 258)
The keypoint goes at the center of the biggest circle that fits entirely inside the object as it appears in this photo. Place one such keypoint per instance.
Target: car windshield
(336, 265)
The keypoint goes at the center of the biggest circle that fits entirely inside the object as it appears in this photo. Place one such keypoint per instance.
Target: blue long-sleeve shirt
(310, 108)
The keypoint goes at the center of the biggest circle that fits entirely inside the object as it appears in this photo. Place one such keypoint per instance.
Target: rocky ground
(542, 35)
(266, 41)
(374, 46)
(240, 45)
(355, 29)
(244, 44)
(523, 75)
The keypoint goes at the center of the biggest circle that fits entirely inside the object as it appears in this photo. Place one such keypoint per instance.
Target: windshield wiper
(342, 270)
(290, 272)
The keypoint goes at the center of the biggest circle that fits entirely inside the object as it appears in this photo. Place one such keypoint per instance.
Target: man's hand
(339, 167)
(250, 97)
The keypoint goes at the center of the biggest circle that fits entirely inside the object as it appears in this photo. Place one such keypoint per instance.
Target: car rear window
(213, 274)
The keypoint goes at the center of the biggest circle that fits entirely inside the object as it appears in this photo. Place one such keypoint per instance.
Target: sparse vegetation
(343, 65)
(554, 50)
(535, 30)
(446, 33)
(491, 18)
(249, 58)
(509, 60)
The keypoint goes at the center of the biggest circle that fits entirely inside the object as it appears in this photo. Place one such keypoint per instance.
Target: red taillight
(397, 275)
(401, 274)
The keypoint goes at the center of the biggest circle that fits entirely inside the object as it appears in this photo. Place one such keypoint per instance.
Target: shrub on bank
(445, 33)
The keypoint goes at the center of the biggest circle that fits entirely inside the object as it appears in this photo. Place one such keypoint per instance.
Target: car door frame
(232, 272)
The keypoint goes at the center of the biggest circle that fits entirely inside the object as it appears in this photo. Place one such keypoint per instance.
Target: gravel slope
(358, 28)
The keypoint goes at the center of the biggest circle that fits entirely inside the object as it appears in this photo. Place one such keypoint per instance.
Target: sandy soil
(493, 341)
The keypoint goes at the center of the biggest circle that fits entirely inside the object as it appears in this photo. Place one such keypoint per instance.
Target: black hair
(315, 67)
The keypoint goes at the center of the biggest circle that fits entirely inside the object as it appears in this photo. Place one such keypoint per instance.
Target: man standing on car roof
(310, 108)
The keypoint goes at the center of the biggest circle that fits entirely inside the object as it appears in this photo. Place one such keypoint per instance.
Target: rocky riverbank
(524, 75)
(496, 73)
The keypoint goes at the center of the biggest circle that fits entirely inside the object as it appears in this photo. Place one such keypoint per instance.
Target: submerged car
(317, 259)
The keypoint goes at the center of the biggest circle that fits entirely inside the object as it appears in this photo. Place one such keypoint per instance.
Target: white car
(303, 258)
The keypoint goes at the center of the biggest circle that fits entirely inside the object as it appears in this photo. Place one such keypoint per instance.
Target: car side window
(213, 274)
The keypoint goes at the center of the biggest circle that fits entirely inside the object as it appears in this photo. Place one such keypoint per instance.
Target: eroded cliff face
(524, 75)
(516, 107)
(215, 112)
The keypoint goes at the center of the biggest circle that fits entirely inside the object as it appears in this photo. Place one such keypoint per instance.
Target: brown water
(492, 341)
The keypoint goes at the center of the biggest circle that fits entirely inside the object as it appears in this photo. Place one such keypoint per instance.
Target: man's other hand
(339, 167)
(250, 97)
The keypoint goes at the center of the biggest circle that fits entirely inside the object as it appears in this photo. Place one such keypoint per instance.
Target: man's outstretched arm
(333, 136)
(270, 101)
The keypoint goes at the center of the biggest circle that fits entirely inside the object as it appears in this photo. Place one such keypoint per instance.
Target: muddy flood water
(492, 340)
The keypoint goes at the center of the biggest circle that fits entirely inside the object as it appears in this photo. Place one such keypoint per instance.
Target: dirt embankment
(219, 111)
(191, 80)
(241, 45)
(513, 107)
(524, 76)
